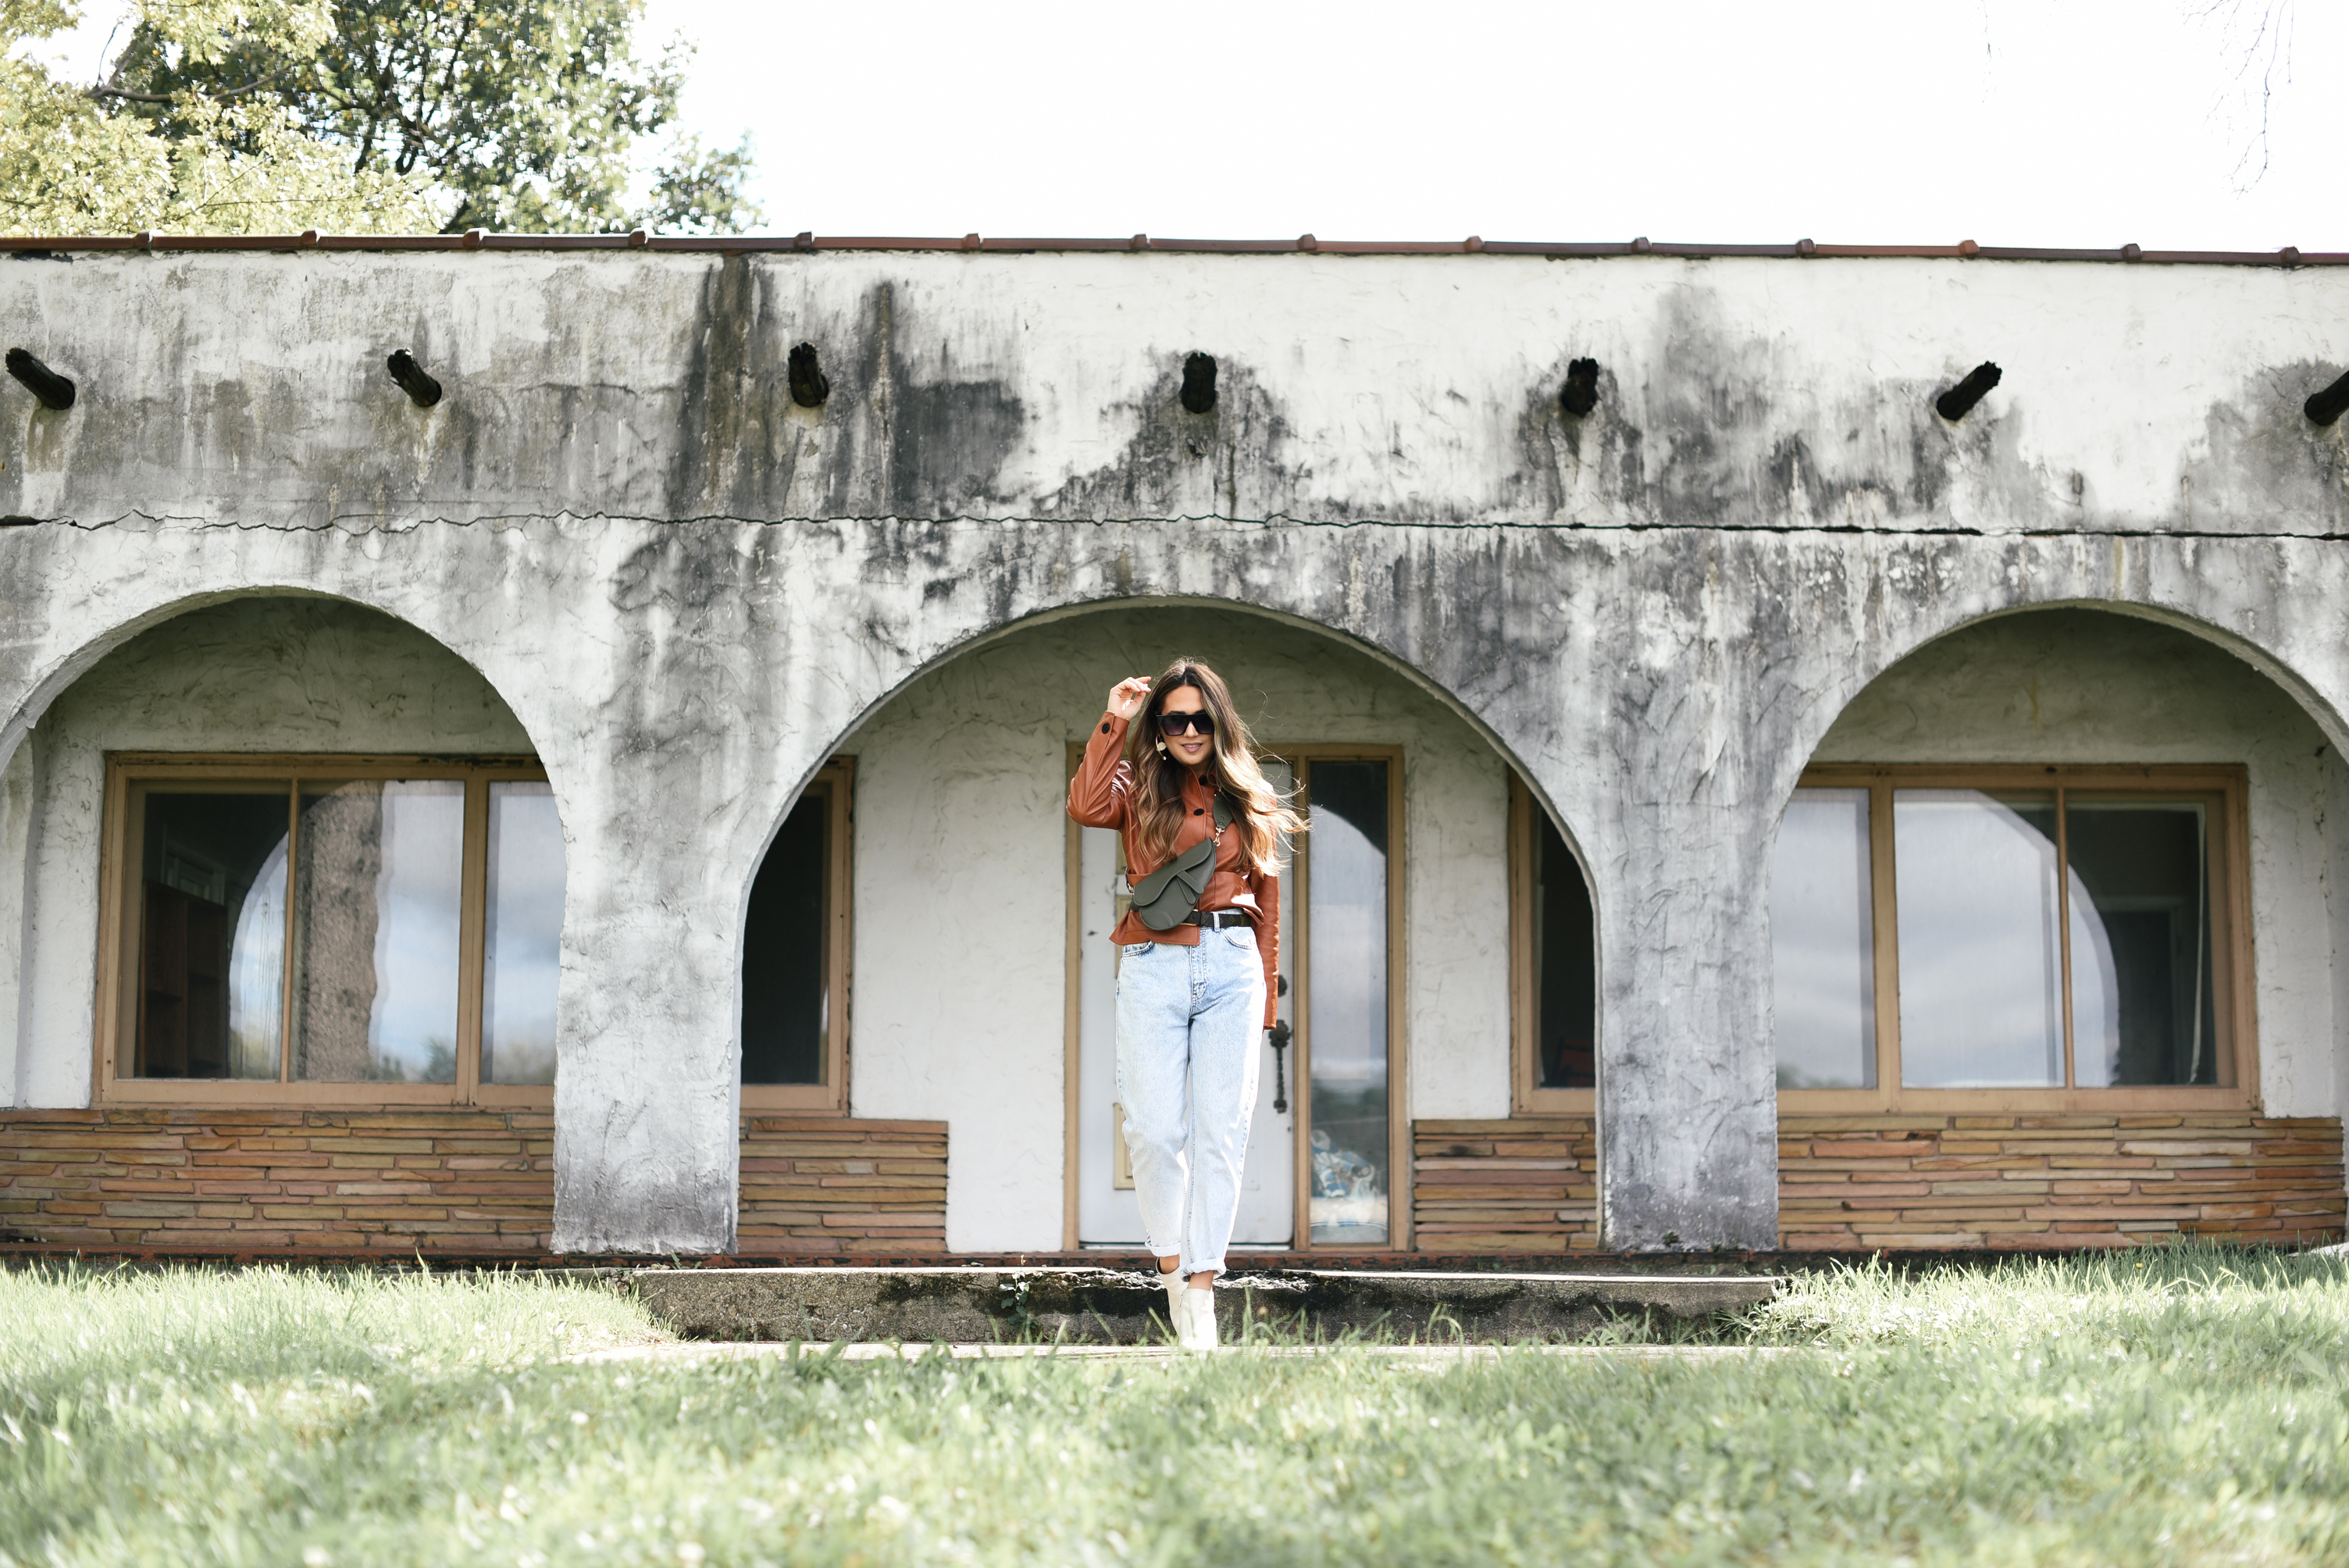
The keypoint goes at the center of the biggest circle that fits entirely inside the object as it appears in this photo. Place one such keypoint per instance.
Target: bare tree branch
(2262, 63)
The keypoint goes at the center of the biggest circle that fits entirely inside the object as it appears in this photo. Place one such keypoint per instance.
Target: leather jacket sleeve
(1100, 793)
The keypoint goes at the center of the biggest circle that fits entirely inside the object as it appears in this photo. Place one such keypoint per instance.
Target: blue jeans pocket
(1136, 949)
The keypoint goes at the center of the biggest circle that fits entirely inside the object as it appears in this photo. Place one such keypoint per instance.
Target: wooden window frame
(2233, 972)
(121, 906)
(837, 777)
(1299, 1066)
(1527, 1097)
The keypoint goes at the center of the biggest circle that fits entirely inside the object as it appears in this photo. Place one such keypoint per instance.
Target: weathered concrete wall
(2077, 686)
(583, 521)
(961, 780)
(289, 674)
(1407, 390)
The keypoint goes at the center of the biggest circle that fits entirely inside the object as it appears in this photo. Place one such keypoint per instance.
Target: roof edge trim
(744, 245)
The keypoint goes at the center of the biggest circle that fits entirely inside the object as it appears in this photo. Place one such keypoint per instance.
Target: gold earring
(1161, 748)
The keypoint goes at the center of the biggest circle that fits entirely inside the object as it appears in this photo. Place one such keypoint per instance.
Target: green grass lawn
(2169, 1407)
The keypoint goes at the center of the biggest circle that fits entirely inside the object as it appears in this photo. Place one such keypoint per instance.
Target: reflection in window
(524, 957)
(785, 956)
(1346, 885)
(212, 933)
(377, 886)
(322, 928)
(1981, 954)
(1823, 943)
(2142, 1011)
(1565, 978)
(2066, 936)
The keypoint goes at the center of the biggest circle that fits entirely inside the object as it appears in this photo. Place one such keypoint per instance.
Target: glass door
(1323, 1148)
(1347, 893)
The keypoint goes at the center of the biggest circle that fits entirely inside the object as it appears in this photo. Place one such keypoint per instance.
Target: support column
(646, 1125)
(1688, 1099)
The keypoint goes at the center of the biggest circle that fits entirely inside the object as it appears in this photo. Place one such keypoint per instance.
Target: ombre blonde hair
(1259, 814)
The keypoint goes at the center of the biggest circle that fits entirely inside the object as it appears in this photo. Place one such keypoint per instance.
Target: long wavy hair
(1259, 814)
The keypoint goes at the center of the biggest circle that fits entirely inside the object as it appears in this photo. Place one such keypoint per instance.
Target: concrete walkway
(697, 1352)
(1102, 1307)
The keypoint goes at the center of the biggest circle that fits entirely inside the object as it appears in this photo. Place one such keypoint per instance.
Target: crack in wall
(491, 520)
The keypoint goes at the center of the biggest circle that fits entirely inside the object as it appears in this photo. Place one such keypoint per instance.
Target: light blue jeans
(1188, 1022)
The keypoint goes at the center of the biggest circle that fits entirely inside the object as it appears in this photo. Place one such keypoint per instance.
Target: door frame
(1297, 967)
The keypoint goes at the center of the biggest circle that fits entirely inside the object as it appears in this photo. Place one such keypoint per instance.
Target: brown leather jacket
(1100, 795)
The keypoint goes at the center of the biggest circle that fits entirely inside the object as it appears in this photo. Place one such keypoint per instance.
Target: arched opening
(1559, 990)
(795, 955)
(1431, 923)
(2056, 875)
(322, 860)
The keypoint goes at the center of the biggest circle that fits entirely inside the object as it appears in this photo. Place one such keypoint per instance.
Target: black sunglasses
(1173, 723)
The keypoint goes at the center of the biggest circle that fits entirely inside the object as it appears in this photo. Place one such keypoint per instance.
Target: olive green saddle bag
(1166, 898)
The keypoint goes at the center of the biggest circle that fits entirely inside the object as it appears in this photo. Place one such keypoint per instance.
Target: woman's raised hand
(1126, 697)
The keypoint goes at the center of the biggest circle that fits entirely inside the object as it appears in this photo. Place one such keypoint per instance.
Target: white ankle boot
(1197, 1331)
(1177, 1314)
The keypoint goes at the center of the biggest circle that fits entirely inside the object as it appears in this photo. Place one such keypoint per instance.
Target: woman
(1191, 1000)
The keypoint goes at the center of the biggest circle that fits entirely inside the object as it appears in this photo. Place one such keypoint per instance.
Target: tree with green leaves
(237, 163)
(522, 116)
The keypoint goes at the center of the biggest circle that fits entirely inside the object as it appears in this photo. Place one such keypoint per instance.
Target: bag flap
(1165, 898)
(1162, 899)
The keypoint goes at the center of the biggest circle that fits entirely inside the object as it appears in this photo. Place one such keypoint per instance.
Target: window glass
(377, 883)
(1981, 959)
(783, 951)
(2142, 1011)
(523, 957)
(1346, 928)
(212, 938)
(1566, 964)
(1823, 943)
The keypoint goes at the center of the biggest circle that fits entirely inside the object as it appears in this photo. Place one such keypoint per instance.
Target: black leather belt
(1215, 919)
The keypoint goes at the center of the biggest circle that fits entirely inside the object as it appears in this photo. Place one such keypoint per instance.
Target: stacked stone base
(1861, 1182)
(828, 1185)
(1529, 1184)
(455, 1180)
(476, 1181)
(448, 1181)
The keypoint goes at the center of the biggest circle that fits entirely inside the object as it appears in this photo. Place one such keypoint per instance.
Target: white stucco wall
(275, 675)
(961, 780)
(2085, 686)
(691, 589)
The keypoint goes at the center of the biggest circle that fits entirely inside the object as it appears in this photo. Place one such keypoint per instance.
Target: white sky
(2027, 122)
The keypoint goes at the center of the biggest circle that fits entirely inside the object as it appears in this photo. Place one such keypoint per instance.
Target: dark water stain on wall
(889, 442)
(716, 416)
(1562, 457)
(2267, 466)
(1231, 461)
(682, 601)
(1714, 429)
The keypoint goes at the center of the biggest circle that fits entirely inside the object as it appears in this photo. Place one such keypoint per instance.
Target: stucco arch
(979, 638)
(81, 649)
(1874, 663)
(2139, 685)
(959, 1015)
(257, 672)
(2273, 602)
